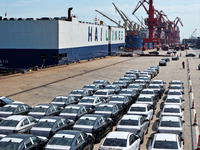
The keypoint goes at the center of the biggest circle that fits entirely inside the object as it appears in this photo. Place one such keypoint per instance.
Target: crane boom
(108, 18)
(124, 19)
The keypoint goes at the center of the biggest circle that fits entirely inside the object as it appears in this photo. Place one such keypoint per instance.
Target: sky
(187, 10)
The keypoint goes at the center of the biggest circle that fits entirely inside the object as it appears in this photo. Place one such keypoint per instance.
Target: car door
(134, 142)
(24, 126)
(79, 144)
(28, 144)
(144, 125)
(102, 127)
(150, 112)
(87, 142)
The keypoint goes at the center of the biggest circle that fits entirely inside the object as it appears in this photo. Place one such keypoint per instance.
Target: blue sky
(187, 10)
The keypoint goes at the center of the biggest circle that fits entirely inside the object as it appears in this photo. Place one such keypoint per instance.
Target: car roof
(89, 97)
(44, 105)
(148, 89)
(145, 96)
(171, 106)
(176, 81)
(174, 90)
(103, 90)
(157, 80)
(72, 132)
(139, 105)
(51, 118)
(131, 117)
(74, 106)
(165, 137)
(170, 118)
(171, 85)
(119, 96)
(16, 117)
(173, 97)
(22, 136)
(111, 85)
(106, 104)
(91, 116)
(79, 90)
(119, 134)
(13, 105)
(62, 96)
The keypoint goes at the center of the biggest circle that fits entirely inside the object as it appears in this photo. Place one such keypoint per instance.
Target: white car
(141, 109)
(172, 110)
(165, 141)
(150, 92)
(174, 93)
(175, 101)
(121, 140)
(134, 123)
(104, 94)
(169, 124)
(160, 82)
(90, 102)
(176, 82)
(145, 74)
(176, 87)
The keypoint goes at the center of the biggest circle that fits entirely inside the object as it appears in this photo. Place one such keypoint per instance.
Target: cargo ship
(26, 43)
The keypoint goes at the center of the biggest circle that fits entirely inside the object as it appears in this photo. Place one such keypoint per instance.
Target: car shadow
(158, 114)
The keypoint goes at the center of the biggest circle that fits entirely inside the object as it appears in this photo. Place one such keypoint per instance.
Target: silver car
(134, 123)
(169, 124)
(175, 101)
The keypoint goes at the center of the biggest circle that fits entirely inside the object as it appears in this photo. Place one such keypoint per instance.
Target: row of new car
(170, 126)
(97, 125)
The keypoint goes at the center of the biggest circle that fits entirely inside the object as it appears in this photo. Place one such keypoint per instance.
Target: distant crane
(109, 18)
(194, 34)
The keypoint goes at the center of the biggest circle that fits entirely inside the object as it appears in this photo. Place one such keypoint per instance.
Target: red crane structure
(151, 22)
(176, 31)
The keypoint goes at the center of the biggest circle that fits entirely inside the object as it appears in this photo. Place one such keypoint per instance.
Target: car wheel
(142, 139)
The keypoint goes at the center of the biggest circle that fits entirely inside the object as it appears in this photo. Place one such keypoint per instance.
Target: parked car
(175, 58)
(22, 142)
(174, 93)
(154, 52)
(121, 84)
(156, 67)
(42, 110)
(64, 100)
(172, 110)
(162, 63)
(169, 52)
(145, 74)
(147, 100)
(141, 82)
(110, 110)
(104, 94)
(5, 100)
(93, 87)
(132, 94)
(176, 82)
(101, 82)
(153, 70)
(95, 125)
(70, 139)
(122, 101)
(135, 124)
(176, 87)
(151, 73)
(132, 76)
(156, 88)
(165, 141)
(48, 126)
(121, 140)
(173, 101)
(80, 93)
(141, 109)
(150, 92)
(161, 83)
(115, 88)
(127, 79)
(90, 102)
(136, 87)
(169, 124)
(166, 59)
(16, 124)
(133, 72)
(74, 112)
(146, 79)
(190, 55)
(14, 109)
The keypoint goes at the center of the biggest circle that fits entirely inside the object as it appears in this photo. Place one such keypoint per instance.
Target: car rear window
(85, 122)
(9, 145)
(60, 99)
(129, 122)
(170, 124)
(139, 109)
(70, 110)
(115, 142)
(165, 145)
(60, 141)
(147, 92)
(172, 110)
(44, 124)
(174, 93)
(9, 123)
(104, 108)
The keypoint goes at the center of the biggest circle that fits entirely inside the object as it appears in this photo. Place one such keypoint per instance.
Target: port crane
(151, 21)
(109, 18)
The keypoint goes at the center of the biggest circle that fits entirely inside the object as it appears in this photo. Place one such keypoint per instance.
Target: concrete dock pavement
(43, 85)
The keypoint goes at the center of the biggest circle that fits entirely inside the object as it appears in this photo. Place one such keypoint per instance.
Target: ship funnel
(69, 14)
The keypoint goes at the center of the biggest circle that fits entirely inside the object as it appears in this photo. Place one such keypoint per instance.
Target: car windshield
(60, 99)
(100, 93)
(175, 87)
(60, 141)
(9, 145)
(144, 99)
(86, 100)
(9, 123)
(43, 124)
(110, 87)
(70, 110)
(139, 82)
(125, 92)
(172, 110)
(114, 142)
(86, 122)
(116, 99)
(153, 87)
(129, 122)
(165, 145)
(7, 109)
(118, 83)
(174, 93)
(147, 92)
(133, 86)
(89, 86)
(77, 92)
(172, 101)
(7, 100)
(139, 109)
(170, 124)
(39, 109)
(104, 108)
(98, 82)
(156, 82)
